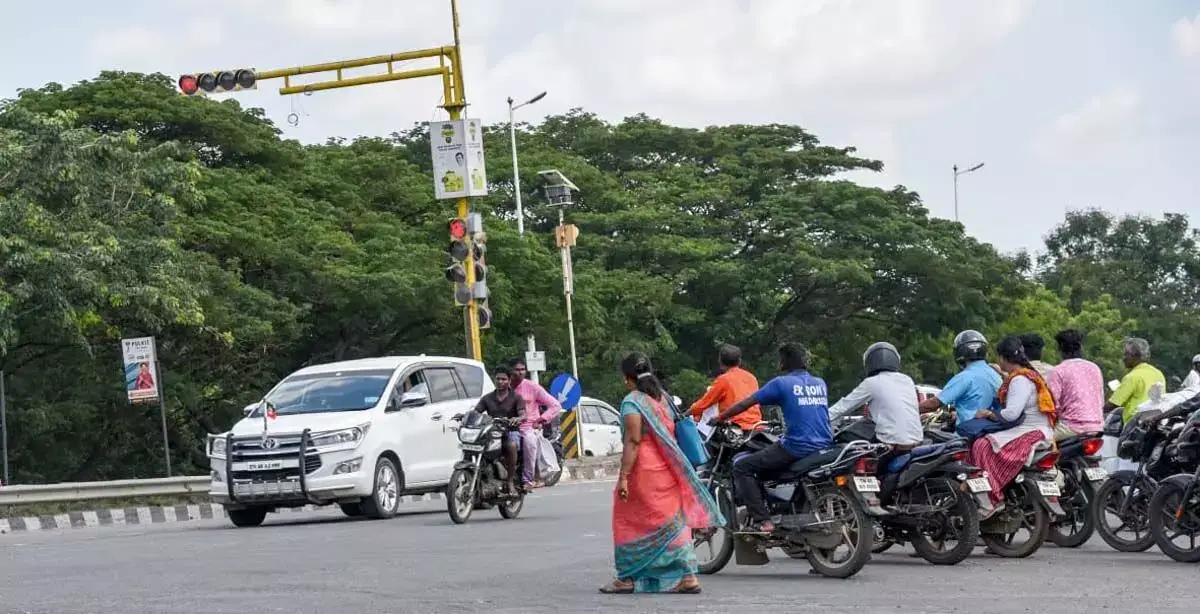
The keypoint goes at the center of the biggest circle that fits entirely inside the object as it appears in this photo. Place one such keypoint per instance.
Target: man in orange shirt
(732, 385)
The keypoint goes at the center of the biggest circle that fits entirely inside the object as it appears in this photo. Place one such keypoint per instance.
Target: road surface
(551, 559)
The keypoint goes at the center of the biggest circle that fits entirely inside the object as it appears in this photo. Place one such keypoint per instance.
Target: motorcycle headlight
(493, 445)
(349, 438)
(468, 435)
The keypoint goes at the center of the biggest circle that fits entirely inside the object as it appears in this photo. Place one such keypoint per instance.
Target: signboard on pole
(535, 361)
(457, 149)
(141, 369)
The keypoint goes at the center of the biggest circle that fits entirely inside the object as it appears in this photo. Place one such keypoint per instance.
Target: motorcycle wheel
(719, 539)
(961, 520)
(511, 508)
(458, 503)
(1073, 530)
(1162, 522)
(1034, 518)
(1110, 496)
(859, 534)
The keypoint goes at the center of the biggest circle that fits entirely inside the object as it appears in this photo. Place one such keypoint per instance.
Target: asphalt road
(551, 559)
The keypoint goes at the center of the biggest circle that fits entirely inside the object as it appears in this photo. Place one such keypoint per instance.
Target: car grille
(280, 447)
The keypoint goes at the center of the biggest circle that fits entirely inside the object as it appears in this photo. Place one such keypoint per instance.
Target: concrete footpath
(575, 471)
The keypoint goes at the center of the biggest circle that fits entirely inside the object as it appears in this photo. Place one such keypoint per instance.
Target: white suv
(358, 433)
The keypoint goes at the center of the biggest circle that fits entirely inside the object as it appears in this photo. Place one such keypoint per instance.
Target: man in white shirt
(891, 400)
(1193, 377)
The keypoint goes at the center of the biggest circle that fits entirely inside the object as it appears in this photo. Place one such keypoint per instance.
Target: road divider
(584, 470)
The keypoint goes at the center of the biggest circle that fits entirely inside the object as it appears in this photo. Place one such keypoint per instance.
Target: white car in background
(359, 433)
(600, 426)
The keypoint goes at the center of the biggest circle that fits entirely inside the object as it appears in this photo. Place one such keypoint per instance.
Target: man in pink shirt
(535, 398)
(1078, 389)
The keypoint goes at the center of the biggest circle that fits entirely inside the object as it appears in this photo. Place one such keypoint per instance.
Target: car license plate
(471, 447)
(1095, 474)
(866, 484)
(978, 485)
(1048, 489)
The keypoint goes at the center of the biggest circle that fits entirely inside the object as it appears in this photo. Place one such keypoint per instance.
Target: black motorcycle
(819, 505)
(1123, 500)
(1079, 466)
(1174, 510)
(927, 497)
(481, 478)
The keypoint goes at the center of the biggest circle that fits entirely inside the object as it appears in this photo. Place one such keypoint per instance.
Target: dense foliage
(129, 210)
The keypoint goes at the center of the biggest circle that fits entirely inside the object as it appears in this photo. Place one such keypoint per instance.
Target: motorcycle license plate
(1095, 474)
(866, 484)
(979, 485)
(1048, 489)
(471, 447)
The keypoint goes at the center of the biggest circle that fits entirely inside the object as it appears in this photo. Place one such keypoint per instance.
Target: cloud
(1185, 33)
(1107, 129)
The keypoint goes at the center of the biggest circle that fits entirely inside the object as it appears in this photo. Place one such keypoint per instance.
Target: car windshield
(328, 392)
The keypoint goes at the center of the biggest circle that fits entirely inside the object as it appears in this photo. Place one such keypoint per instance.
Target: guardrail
(116, 489)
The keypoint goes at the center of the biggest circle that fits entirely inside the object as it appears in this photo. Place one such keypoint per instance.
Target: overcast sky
(1070, 103)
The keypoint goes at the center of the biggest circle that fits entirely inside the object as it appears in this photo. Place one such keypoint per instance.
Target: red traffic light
(458, 228)
(188, 84)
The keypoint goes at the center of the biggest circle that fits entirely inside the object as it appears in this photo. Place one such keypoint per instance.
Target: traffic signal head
(458, 229)
(455, 273)
(218, 82)
(485, 315)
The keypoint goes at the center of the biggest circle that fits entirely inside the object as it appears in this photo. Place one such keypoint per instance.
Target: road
(551, 559)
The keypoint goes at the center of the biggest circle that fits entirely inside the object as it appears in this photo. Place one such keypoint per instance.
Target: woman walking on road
(658, 498)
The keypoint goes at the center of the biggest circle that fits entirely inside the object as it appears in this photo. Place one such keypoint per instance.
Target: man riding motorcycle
(891, 401)
(974, 387)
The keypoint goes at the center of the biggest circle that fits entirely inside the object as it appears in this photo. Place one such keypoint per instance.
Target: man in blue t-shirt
(804, 400)
(972, 389)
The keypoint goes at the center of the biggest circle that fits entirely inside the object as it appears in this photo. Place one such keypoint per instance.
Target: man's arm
(553, 407)
(948, 396)
(857, 398)
(519, 406)
(712, 396)
(767, 395)
(1121, 395)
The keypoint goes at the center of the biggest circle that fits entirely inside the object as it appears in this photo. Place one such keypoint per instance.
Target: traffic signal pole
(450, 70)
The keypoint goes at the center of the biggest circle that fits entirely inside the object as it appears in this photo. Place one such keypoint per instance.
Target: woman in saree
(658, 499)
(1025, 403)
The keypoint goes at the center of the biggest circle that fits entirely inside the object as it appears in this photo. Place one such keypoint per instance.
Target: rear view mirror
(249, 409)
(414, 398)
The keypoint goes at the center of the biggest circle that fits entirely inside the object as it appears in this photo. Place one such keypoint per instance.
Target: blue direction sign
(566, 389)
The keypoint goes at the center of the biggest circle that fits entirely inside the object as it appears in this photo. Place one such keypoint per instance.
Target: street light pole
(956, 174)
(512, 135)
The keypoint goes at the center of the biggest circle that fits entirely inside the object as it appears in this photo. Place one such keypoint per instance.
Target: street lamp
(512, 135)
(956, 174)
(559, 191)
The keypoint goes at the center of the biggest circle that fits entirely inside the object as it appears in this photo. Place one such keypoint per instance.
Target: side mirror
(414, 398)
(249, 409)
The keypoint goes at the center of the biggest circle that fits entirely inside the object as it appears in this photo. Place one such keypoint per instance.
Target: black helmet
(881, 356)
(970, 345)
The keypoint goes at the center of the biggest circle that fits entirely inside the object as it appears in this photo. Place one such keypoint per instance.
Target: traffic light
(480, 291)
(218, 82)
(456, 273)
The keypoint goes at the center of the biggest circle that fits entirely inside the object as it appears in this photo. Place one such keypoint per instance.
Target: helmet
(970, 345)
(881, 356)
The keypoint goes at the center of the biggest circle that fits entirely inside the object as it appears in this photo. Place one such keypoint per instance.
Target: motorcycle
(1031, 500)
(1126, 494)
(1174, 510)
(481, 478)
(818, 505)
(927, 497)
(1079, 466)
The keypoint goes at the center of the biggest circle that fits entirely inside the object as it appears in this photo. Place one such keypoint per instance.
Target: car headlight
(350, 437)
(468, 435)
(217, 447)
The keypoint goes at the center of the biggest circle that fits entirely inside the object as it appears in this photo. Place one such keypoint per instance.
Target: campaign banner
(141, 369)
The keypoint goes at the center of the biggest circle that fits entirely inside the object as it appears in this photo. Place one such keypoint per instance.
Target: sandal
(617, 587)
(687, 586)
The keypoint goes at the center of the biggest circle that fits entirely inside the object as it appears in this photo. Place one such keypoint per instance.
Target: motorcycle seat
(808, 463)
(917, 453)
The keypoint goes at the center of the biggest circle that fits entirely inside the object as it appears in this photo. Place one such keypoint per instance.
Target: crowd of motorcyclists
(1007, 414)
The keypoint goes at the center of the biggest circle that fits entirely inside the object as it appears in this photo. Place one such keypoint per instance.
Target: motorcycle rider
(1193, 377)
(890, 399)
(1034, 345)
(503, 402)
(732, 385)
(804, 399)
(974, 387)
(535, 420)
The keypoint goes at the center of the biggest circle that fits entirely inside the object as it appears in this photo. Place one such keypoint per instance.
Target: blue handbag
(687, 435)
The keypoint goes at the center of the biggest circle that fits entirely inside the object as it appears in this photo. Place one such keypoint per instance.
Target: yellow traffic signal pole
(455, 102)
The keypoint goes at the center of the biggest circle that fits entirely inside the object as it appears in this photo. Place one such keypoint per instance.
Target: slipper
(616, 587)
(693, 589)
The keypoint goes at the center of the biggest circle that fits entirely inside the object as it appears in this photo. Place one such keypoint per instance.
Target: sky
(1070, 104)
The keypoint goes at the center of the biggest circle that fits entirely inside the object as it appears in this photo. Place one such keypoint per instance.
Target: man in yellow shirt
(731, 386)
(1135, 386)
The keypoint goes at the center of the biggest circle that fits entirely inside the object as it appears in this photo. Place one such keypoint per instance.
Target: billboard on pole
(141, 369)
